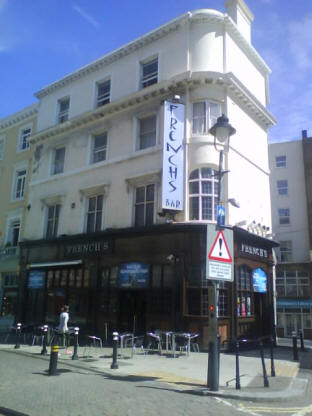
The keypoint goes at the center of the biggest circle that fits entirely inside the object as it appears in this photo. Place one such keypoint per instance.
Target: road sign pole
(213, 356)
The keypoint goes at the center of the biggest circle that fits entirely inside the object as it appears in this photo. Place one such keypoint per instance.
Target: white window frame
(208, 118)
(62, 116)
(92, 148)
(106, 97)
(282, 187)
(138, 132)
(53, 164)
(213, 179)
(152, 78)
(286, 251)
(56, 220)
(87, 212)
(22, 138)
(2, 146)
(11, 219)
(16, 180)
(280, 161)
(283, 217)
(145, 203)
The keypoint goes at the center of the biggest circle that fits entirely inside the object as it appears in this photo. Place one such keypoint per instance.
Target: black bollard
(301, 341)
(295, 348)
(75, 355)
(114, 364)
(272, 357)
(53, 360)
(265, 377)
(44, 341)
(237, 384)
(18, 336)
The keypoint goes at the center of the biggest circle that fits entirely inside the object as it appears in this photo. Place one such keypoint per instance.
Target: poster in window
(238, 306)
(248, 305)
(243, 306)
(133, 275)
(259, 280)
(36, 279)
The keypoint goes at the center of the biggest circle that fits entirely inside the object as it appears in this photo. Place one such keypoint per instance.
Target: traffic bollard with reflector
(44, 341)
(76, 333)
(114, 364)
(53, 360)
(18, 335)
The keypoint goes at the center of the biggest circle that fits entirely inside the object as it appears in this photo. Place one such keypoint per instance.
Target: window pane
(194, 187)
(140, 194)
(150, 192)
(194, 174)
(103, 93)
(280, 161)
(149, 214)
(199, 118)
(59, 157)
(206, 187)
(147, 132)
(194, 208)
(150, 73)
(207, 173)
(207, 208)
(139, 215)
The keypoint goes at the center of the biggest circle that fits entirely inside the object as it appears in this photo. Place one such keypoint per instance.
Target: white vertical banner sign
(173, 157)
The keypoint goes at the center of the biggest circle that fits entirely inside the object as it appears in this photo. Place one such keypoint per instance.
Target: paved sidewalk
(189, 373)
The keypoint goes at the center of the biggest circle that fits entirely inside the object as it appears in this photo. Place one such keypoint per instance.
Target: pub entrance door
(132, 311)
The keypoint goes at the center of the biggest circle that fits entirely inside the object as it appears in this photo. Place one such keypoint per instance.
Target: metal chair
(138, 344)
(93, 342)
(153, 342)
(194, 345)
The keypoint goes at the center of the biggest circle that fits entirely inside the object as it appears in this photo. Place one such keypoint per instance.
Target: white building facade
(98, 153)
(290, 184)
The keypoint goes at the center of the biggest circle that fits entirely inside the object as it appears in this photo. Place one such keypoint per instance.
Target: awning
(55, 264)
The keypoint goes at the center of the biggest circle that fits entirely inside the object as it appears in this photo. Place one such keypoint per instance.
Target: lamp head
(222, 130)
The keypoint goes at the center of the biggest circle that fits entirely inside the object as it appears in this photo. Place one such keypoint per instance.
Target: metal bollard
(76, 333)
(53, 360)
(265, 377)
(295, 348)
(18, 335)
(237, 383)
(44, 341)
(114, 364)
(301, 341)
(272, 357)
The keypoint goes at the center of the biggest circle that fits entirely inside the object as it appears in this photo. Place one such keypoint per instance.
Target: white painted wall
(248, 181)
(297, 230)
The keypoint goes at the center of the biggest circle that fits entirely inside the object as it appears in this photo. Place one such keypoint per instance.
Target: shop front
(143, 279)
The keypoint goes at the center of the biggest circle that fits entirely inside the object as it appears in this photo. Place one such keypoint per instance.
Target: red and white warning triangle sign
(219, 250)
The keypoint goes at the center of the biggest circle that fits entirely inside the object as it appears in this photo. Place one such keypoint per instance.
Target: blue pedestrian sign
(221, 215)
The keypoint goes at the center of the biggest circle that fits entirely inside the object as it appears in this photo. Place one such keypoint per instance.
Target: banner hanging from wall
(173, 157)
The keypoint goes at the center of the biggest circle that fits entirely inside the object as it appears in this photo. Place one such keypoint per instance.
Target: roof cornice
(160, 91)
(197, 16)
(18, 117)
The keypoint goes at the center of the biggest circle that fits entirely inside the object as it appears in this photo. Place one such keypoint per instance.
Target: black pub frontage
(143, 279)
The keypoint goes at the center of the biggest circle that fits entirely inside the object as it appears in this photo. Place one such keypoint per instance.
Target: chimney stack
(242, 16)
(304, 134)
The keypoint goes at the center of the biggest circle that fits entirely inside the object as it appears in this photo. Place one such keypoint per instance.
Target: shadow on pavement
(9, 412)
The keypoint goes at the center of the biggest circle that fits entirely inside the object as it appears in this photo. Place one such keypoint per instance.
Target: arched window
(203, 194)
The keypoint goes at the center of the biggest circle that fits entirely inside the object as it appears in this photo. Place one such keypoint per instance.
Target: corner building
(98, 235)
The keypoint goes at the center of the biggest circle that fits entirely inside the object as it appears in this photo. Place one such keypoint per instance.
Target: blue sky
(44, 40)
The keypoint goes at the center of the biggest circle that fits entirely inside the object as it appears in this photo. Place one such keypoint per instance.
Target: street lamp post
(222, 131)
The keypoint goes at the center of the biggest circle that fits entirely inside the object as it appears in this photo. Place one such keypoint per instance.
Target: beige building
(15, 160)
